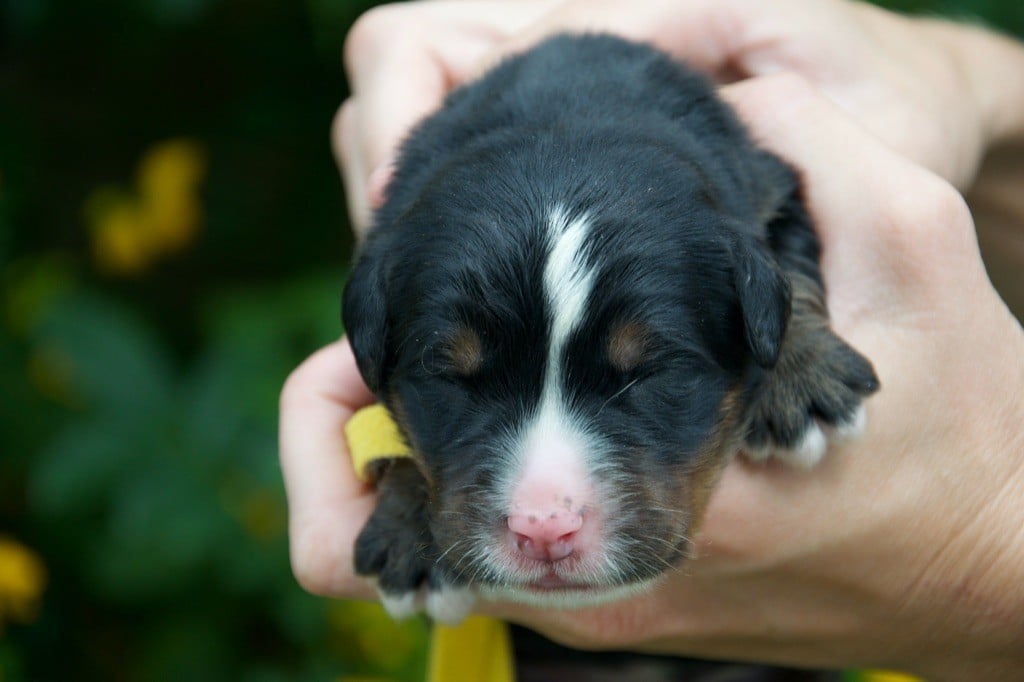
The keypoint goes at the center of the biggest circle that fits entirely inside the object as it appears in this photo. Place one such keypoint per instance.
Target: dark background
(173, 240)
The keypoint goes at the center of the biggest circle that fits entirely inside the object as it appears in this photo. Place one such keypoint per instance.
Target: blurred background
(173, 240)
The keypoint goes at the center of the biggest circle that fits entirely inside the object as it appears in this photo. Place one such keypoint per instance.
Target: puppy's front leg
(397, 547)
(819, 383)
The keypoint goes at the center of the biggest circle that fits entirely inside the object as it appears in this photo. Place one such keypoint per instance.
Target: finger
(402, 61)
(377, 184)
(405, 86)
(327, 504)
(841, 164)
(347, 153)
(705, 33)
(868, 204)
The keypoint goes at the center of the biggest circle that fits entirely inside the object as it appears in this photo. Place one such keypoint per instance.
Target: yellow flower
(130, 231)
(120, 244)
(22, 579)
(169, 176)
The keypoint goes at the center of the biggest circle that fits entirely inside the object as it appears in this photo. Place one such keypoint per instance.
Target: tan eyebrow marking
(627, 345)
(465, 351)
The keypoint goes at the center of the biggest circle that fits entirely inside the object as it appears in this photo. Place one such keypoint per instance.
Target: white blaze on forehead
(567, 279)
(551, 450)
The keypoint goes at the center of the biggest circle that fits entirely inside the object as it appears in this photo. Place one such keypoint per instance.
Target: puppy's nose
(545, 535)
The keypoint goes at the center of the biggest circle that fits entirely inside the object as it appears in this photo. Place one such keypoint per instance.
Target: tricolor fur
(586, 290)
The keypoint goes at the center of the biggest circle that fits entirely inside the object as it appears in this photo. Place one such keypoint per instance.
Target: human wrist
(974, 581)
(984, 616)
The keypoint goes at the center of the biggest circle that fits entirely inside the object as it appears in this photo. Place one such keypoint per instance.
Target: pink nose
(546, 535)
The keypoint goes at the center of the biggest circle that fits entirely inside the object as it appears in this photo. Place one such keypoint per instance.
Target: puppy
(586, 290)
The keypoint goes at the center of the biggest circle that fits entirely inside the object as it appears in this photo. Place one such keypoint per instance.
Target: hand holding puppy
(937, 92)
(904, 549)
(863, 562)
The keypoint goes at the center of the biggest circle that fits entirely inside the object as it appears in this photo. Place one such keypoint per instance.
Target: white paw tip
(854, 426)
(450, 605)
(808, 451)
(399, 605)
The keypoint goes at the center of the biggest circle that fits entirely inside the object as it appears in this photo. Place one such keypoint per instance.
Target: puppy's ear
(364, 315)
(765, 299)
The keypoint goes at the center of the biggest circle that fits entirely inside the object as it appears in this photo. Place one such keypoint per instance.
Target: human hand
(934, 91)
(327, 505)
(401, 61)
(903, 549)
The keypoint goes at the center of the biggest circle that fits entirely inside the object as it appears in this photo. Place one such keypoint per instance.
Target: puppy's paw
(401, 604)
(408, 585)
(815, 394)
(395, 554)
(449, 604)
(396, 548)
(446, 603)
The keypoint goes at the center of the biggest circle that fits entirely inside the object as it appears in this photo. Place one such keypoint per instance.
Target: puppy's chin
(565, 597)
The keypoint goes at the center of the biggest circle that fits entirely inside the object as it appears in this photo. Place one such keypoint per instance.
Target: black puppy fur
(706, 327)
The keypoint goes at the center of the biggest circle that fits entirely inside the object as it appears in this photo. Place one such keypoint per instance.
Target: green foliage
(139, 453)
(1005, 15)
(159, 496)
(138, 450)
(158, 502)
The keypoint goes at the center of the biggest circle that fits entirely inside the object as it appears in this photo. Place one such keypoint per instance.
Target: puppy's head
(566, 361)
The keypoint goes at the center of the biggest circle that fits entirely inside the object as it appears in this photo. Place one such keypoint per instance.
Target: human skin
(939, 93)
(904, 549)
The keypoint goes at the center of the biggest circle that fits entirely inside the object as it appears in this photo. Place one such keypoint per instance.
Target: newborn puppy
(587, 289)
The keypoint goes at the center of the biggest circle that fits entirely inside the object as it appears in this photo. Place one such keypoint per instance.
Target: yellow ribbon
(479, 649)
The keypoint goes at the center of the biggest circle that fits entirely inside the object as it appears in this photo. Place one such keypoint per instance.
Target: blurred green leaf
(11, 665)
(31, 286)
(164, 511)
(74, 473)
(260, 334)
(180, 648)
(117, 363)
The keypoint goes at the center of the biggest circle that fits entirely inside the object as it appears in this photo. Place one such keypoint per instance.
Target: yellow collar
(478, 650)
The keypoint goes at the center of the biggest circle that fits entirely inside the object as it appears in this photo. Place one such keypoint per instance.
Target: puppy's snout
(545, 535)
(552, 511)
